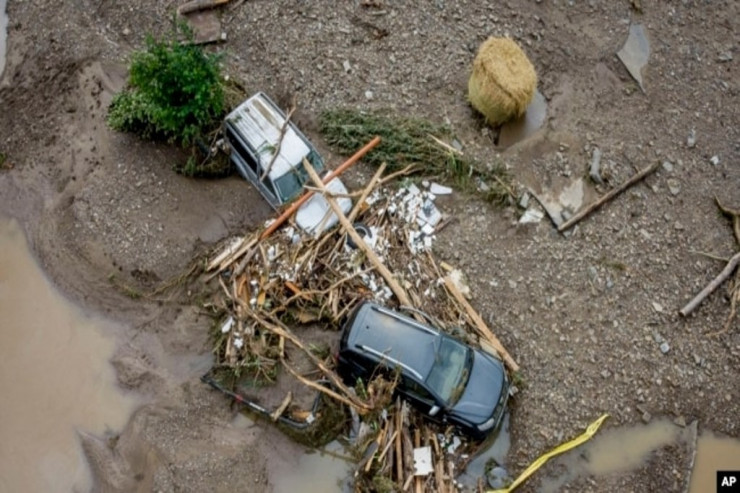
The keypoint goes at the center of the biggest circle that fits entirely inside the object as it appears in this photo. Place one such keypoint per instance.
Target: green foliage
(407, 141)
(175, 92)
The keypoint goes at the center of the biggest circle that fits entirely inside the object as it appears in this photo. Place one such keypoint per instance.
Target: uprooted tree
(175, 93)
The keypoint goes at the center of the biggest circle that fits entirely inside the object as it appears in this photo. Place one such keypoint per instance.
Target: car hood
(483, 391)
(310, 216)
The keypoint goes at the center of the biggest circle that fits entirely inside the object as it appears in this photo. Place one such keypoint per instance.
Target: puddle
(713, 453)
(3, 34)
(316, 472)
(54, 378)
(612, 451)
(520, 129)
(495, 452)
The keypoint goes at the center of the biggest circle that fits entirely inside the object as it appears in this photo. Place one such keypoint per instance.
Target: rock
(369, 95)
(680, 421)
(691, 140)
(347, 66)
(657, 307)
(714, 160)
(646, 417)
(674, 186)
(668, 166)
(664, 347)
(498, 478)
(126, 31)
(524, 200)
(595, 169)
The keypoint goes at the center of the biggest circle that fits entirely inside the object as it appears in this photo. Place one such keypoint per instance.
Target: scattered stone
(657, 307)
(714, 160)
(369, 95)
(531, 216)
(674, 186)
(678, 226)
(524, 200)
(347, 66)
(595, 169)
(664, 347)
(668, 166)
(457, 145)
(498, 478)
(605, 373)
(126, 31)
(680, 421)
(646, 417)
(691, 140)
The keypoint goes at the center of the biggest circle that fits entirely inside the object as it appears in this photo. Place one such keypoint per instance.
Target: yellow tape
(585, 436)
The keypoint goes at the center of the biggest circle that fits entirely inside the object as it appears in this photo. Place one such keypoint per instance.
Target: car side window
(418, 390)
(248, 156)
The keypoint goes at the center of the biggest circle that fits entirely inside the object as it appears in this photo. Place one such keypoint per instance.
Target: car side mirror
(434, 410)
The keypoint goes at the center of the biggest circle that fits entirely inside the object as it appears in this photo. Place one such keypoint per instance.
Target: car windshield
(450, 370)
(290, 184)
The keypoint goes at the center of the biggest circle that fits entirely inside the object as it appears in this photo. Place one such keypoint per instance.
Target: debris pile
(405, 454)
(381, 251)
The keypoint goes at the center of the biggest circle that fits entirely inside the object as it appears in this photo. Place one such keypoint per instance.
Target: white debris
(531, 216)
(228, 324)
(438, 189)
(239, 342)
(458, 279)
(423, 461)
(714, 160)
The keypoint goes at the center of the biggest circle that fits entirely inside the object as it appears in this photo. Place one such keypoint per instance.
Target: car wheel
(361, 230)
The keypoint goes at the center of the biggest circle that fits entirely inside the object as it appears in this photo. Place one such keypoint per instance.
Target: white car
(275, 166)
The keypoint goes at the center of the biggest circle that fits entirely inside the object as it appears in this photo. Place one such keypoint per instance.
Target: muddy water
(520, 129)
(713, 453)
(54, 378)
(3, 34)
(494, 450)
(316, 472)
(613, 451)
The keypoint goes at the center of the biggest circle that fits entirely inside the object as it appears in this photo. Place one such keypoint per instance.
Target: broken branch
(691, 305)
(607, 197)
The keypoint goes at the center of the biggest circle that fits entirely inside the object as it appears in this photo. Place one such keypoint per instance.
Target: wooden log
(721, 277)
(483, 329)
(282, 407)
(369, 252)
(399, 451)
(607, 197)
(298, 203)
(363, 196)
(350, 399)
(197, 5)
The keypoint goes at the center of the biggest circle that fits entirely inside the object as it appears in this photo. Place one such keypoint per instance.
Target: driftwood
(483, 329)
(363, 196)
(607, 197)
(721, 277)
(295, 205)
(276, 152)
(197, 5)
(347, 226)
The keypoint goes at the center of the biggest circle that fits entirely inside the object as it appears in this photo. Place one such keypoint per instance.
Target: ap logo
(728, 481)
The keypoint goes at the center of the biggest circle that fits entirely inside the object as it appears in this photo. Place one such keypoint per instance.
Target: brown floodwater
(55, 378)
(713, 453)
(521, 128)
(623, 449)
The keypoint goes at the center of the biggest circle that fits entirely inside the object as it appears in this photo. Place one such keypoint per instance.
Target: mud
(55, 378)
(580, 314)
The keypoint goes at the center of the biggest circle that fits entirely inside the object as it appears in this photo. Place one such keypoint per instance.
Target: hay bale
(503, 81)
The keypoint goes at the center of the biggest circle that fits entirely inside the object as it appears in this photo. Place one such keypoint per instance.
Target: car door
(418, 396)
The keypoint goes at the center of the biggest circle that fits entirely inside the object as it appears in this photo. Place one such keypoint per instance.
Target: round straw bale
(503, 81)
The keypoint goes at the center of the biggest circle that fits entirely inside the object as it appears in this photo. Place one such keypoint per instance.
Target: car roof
(385, 333)
(259, 121)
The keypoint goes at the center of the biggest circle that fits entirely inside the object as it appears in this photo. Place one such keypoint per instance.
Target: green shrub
(175, 92)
